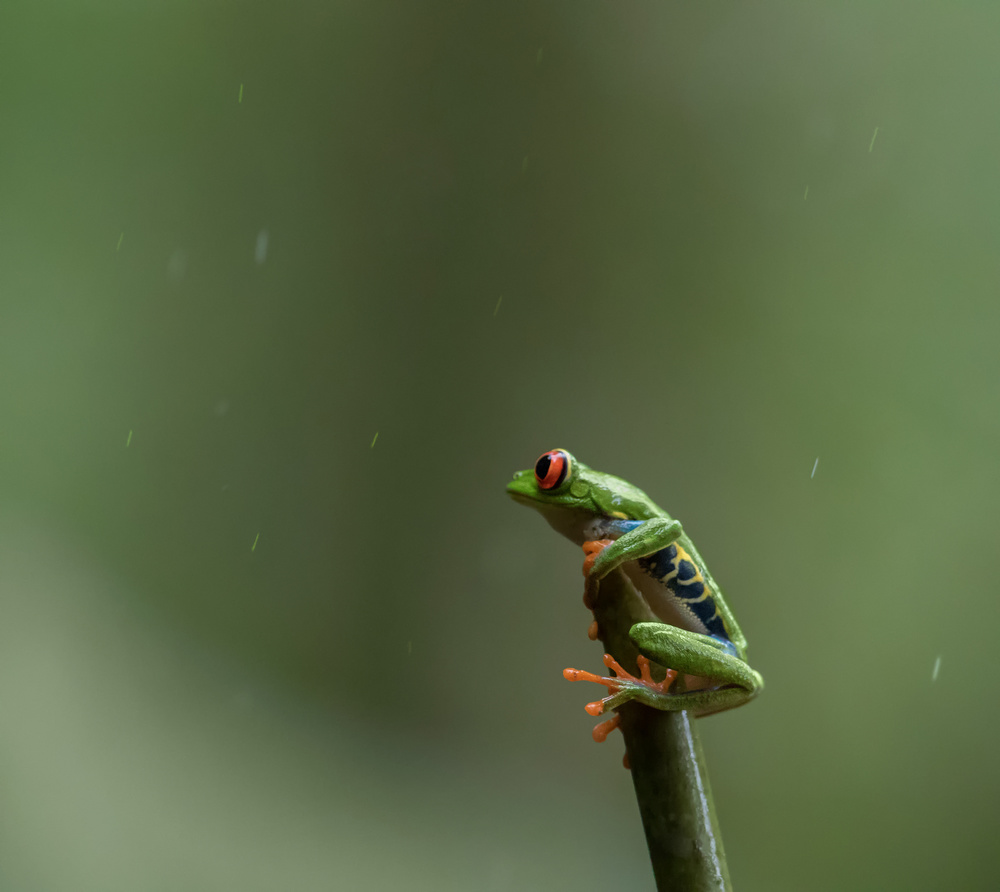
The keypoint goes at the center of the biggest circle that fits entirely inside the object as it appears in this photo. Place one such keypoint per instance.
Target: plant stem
(668, 768)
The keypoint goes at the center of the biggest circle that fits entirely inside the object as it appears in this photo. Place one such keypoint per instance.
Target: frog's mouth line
(525, 499)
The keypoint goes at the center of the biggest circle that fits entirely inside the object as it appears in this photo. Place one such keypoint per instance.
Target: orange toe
(592, 548)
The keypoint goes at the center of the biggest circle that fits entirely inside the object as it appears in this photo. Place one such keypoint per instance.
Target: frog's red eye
(552, 469)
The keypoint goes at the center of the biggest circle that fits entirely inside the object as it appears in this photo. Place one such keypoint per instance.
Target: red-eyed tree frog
(618, 525)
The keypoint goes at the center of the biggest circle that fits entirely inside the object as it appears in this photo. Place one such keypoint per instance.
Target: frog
(694, 636)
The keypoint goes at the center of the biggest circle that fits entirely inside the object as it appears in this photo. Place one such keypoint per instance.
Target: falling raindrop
(260, 249)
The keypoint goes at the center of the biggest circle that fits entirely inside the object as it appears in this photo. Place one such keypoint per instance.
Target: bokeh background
(247, 644)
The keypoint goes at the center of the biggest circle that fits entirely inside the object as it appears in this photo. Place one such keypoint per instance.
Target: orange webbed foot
(622, 681)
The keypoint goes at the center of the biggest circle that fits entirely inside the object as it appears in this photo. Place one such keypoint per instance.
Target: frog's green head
(571, 496)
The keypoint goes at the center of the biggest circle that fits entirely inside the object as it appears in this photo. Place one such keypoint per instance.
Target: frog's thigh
(691, 654)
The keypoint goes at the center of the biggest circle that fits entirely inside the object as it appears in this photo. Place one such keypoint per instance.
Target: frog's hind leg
(732, 681)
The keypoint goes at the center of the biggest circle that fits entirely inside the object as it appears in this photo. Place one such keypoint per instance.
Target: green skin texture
(587, 495)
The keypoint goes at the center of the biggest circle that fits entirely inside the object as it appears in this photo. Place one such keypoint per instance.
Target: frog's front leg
(604, 555)
(645, 539)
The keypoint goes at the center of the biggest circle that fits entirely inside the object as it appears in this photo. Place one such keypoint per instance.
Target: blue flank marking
(685, 571)
(662, 564)
(729, 646)
(612, 527)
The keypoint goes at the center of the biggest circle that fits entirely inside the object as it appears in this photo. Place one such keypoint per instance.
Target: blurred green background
(241, 647)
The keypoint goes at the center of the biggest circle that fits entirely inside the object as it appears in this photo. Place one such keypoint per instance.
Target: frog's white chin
(572, 524)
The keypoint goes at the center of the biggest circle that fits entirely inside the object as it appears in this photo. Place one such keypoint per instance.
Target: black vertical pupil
(542, 467)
